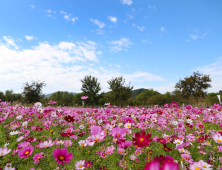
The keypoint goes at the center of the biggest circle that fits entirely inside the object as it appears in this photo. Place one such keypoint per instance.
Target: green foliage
(119, 92)
(212, 98)
(136, 92)
(144, 96)
(2, 96)
(194, 86)
(77, 99)
(91, 88)
(33, 92)
(157, 99)
(61, 98)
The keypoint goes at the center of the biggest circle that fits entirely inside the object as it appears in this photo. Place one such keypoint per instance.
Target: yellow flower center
(38, 157)
(96, 139)
(141, 139)
(27, 152)
(82, 144)
(2, 153)
(80, 166)
(61, 158)
(218, 140)
(197, 168)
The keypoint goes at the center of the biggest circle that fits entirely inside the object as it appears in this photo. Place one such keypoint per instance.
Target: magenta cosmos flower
(62, 156)
(25, 151)
(166, 166)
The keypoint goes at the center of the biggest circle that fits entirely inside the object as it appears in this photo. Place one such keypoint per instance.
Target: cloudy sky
(152, 44)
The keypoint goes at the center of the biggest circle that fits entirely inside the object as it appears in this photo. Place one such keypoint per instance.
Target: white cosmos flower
(53, 114)
(6, 144)
(19, 117)
(127, 125)
(19, 139)
(38, 104)
(81, 126)
(177, 142)
(13, 133)
(132, 157)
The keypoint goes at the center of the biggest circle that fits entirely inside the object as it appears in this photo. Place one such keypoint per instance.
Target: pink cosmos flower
(62, 156)
(118, 132)
(121, 151)
(195, 165)
(4, 151)
(84, 97)
(96, 138)
(46, 144)
(155, 165)
(25, 151)
(219, 148)
(22, 144)
(125, 144)
(67, 143)
(36, 157)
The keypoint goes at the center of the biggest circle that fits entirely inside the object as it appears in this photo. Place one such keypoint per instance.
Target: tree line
(190, 90)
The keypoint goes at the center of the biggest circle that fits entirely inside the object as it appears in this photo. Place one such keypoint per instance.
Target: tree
(119, 92)
(194, 86)
(33, 92)
(2, 96)
(91, 88)
(144, 96)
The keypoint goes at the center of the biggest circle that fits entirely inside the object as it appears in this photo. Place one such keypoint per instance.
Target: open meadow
(110, 138)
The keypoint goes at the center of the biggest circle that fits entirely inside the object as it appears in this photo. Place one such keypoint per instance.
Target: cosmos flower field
(33, 138)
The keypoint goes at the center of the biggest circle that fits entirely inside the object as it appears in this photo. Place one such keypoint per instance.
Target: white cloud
(118, 45)
(98, 31)
(128, 2)
(112, 19)
(146, 41)
(74, 19)
(162, 29)
(61, 66)
(100, 24)
(49, 10)
(10, 41)
(140, 28)
(68, 17)
(30, 37)
(49, 15)
(32, 6)
(215, 72)
(153, 7)
(130, 16)
(194, 37)
(118, 66)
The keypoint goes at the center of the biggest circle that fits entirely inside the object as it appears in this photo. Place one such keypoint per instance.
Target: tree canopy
(91, 88)
(119, 92)
(194, 85)
(33, 92)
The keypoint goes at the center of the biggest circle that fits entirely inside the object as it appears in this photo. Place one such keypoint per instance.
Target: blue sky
(150, 43)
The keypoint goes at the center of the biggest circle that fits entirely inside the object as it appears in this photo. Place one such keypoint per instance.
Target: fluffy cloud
(127, 2)
(32, 6)
(30, 37)
(153, 7)
(68, 17)
(140, 28)
(194, 37)
(100, 24)
(215, 72)
(162, 29)
(118, 45)
(60, 65)
(112, 19)
(10, 41)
